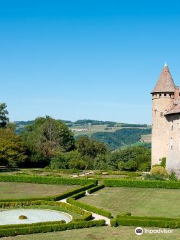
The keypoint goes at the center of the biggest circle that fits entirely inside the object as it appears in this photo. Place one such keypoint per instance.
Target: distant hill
(114, 135)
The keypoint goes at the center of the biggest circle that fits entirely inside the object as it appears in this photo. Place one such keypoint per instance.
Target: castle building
(166, 122)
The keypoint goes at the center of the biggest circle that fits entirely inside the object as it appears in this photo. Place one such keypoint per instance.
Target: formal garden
(56, 186)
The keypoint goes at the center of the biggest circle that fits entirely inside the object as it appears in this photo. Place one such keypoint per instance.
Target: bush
(46, 180)
(159, 170)
(90, 208)
(148, 221)
(42, 228)
(173, 177)
(141, 183)
(153, 177)
(94, 189)
(163, 162)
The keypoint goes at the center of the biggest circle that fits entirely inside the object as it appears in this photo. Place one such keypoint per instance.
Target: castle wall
(160, 125)
(173, 156)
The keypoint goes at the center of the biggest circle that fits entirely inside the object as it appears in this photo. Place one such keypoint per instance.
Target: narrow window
(172, 125)
(165, 94)
(161, 114)
(171, 143)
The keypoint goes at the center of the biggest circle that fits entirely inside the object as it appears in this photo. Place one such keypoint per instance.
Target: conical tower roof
(165, 82)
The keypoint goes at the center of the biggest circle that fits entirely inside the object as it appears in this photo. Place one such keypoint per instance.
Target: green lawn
(26, 190)
(138, 201)
(100, 233)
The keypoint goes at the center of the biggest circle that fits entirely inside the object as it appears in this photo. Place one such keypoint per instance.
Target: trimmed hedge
(85, 215)
(89, 207)
(23, 230)
(52, 198)
(46, 180)
(146, 222)
(96, 188)
(141, 183)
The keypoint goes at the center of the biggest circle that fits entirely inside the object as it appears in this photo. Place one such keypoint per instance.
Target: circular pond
(33, 216)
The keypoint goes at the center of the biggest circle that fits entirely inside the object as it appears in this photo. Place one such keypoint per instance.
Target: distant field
(138, 201)
(26, 190)
(146, 138)
(99, 233)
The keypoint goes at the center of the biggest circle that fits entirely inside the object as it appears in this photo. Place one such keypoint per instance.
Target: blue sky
(86, 59)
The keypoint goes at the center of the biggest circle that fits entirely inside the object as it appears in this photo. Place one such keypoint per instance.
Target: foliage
(13, 152)
(159, 170)
(90, 147)
(89, 207)
(46, 137)
(133, 125)
(163, 162)
(46, 180)
(3, 115)
(160, 222)
(39, 228)
(96, 188)
(141, 183)
(173, 177)
(154, 177)
(119, 138)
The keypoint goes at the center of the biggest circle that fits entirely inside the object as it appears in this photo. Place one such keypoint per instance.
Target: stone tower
(162, 102)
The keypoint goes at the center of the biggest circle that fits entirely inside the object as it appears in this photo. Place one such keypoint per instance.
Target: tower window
(165, 94)
(171, 125)
(171, 143)
(160, 94)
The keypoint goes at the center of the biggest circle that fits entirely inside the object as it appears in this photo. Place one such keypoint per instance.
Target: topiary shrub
(159, 170)
(163, 162)
(22, 217)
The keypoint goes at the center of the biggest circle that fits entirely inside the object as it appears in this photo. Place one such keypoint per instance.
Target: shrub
(46, 180)
(141, 183)
(90, 208)
(153, 177)
(22, 217)
(148, 221)
(94, 189)
(42, 228)
(159, 170)
(163, 162)
(173, 177)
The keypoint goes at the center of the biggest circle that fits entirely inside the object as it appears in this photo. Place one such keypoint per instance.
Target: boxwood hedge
(90, 208)
(146, 222)
(141, 183)
(96, 188)
(46, 180)
(42, 228)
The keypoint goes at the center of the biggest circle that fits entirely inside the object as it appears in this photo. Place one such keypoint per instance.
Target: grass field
(138, 201)
(26, 190)
(100, 233)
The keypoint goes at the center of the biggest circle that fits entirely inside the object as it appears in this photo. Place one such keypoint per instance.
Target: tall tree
(13, 152)
(46, 137)
(3, 115)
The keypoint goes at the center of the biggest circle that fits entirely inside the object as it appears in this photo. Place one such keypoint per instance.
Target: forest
(47, 142)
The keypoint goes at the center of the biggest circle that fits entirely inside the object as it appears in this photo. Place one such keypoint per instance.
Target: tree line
(49, 142)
